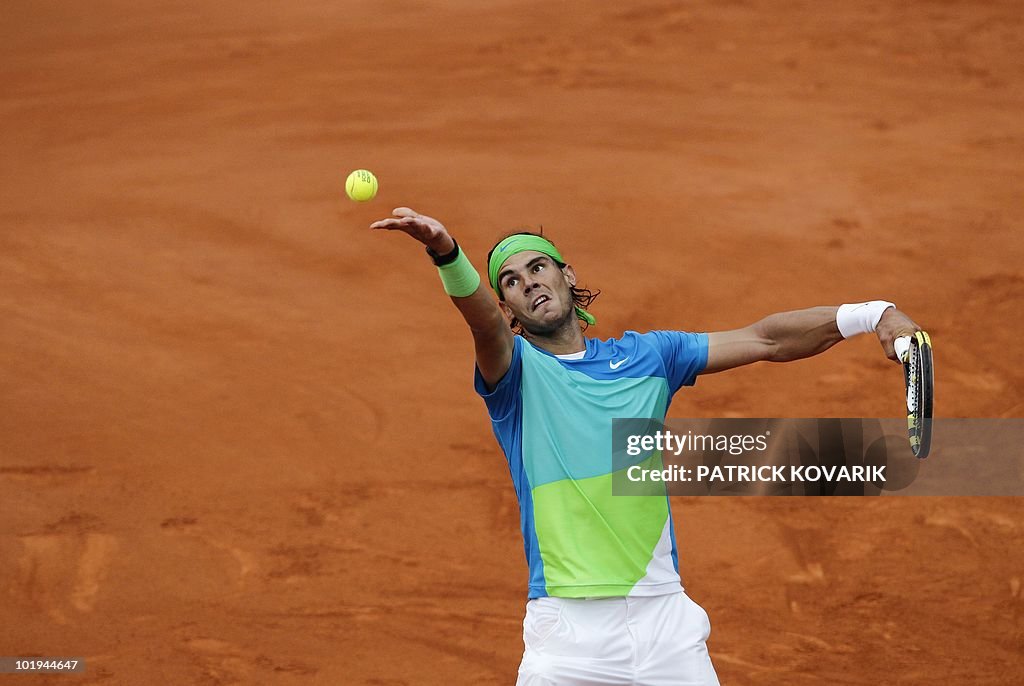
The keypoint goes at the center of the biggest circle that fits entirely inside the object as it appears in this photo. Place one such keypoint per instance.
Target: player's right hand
(892, 326)
(426, 230)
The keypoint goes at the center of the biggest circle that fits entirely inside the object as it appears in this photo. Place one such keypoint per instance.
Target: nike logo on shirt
(615, 365)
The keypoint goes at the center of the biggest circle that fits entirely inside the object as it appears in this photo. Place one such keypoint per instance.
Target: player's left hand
(891, 326)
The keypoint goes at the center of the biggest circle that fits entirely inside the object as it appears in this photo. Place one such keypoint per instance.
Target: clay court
(239, 442)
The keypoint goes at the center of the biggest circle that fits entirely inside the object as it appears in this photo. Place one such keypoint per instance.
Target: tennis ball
(361, 185)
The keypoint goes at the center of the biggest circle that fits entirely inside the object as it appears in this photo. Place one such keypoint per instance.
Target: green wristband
(460, 279)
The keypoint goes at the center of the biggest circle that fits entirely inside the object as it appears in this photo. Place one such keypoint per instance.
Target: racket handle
(901, 345)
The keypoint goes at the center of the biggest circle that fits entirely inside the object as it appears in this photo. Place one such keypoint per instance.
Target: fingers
(900, 346)
(387, 224)
(411, 218)
(887, 348)
(890, 349)
(421, 227)
(896, 326)
(896, 347)
(404, 217)
(410, 226)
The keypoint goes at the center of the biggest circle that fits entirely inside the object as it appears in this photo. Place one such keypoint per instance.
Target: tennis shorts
(639, 641)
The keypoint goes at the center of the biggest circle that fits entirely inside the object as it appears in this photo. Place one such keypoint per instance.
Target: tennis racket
(916, 354)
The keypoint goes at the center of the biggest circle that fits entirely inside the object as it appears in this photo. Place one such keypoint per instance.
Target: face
(537, 292)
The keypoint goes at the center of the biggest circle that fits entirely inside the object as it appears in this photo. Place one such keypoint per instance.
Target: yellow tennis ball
(361, 185)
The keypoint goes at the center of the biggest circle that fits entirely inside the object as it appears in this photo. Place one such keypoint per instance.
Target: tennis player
(606, 605)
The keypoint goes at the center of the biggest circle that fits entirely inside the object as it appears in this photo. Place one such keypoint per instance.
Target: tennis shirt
(553, 419)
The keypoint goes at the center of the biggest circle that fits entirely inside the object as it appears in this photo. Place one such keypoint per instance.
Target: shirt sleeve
(502, 399)
(685, 355)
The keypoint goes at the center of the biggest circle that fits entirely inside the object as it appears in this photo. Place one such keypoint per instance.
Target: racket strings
(913, 381)
(919, 377)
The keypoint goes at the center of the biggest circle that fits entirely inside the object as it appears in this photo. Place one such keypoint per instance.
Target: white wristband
(856, 318)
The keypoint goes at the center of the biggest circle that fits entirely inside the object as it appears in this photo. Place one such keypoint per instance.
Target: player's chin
(545, 322)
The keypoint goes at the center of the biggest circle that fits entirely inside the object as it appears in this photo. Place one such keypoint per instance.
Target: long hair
(581, 296)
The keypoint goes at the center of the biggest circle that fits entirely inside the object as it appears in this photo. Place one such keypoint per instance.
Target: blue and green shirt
(553, 419)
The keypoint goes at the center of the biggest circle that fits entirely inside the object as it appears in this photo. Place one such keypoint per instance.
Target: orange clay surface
(238, 439)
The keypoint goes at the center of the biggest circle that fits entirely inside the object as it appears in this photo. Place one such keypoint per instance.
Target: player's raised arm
(789, 336)
(491, 333)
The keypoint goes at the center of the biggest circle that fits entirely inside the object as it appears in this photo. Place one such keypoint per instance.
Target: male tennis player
(605, 601)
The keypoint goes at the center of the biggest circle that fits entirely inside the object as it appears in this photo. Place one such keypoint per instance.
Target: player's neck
(564, 340)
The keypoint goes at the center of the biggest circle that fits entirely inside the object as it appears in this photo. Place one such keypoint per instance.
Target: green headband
(520, 243)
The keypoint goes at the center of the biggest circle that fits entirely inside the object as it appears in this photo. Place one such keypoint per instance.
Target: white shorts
(640, 641)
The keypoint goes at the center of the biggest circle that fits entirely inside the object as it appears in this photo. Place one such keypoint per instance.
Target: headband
(518, 243)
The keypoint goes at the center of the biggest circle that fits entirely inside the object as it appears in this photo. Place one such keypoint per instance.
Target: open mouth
(538, 301)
